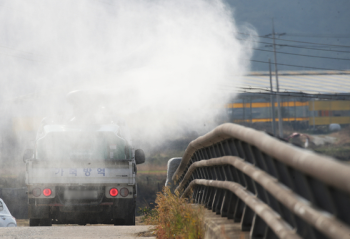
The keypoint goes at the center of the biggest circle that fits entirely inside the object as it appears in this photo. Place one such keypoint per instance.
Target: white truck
(82, 172)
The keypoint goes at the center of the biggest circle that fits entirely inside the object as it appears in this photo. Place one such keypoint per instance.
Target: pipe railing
(272, 188)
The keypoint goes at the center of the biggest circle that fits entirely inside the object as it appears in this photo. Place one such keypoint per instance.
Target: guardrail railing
(274, 189)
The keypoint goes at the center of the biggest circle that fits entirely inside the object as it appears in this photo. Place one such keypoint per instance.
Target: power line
(318, 35)
(286, 92)
(313, 43)
(310, 48)
(319, 47)
(287, 53)
(309, 67)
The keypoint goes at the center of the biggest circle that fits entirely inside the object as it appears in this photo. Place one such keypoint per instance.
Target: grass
(174, 217)
(148, 184)
(339, 152)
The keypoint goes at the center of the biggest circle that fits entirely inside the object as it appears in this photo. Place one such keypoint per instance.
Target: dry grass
(175, 218)
(151, 167)
(342, 136)
(153, 172)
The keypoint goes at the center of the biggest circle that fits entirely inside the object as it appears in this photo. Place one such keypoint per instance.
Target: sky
(314, 21)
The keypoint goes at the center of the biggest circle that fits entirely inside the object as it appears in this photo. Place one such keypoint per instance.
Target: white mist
(169, 64)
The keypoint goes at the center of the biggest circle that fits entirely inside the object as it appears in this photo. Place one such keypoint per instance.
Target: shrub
(148, 213)
(174, 217)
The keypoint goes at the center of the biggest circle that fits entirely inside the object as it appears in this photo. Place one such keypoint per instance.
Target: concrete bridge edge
(217, 227)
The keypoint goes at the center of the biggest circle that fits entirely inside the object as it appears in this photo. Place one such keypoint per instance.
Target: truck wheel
(46, 222)
(34, 222)
(130, 220)
(124, 212)
(118, 222)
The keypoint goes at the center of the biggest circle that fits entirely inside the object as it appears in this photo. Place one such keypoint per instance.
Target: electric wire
(287, 53)
(313, 43)
(318, 35)
(289, 92)
(310, 48)
(309, 67)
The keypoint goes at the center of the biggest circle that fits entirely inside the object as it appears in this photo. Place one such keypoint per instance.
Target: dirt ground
(336, 144)
(333, 144)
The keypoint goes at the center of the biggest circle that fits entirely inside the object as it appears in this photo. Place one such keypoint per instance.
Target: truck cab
(80, 172)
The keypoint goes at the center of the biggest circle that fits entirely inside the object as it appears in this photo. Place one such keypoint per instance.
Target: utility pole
(272, 102)
(280, 126)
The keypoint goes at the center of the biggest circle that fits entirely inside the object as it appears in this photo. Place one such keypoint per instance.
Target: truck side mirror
(28, 154)
(139, 156)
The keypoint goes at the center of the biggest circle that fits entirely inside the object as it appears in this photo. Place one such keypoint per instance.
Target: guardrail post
(260, 229)
(225, 204)
(247, 219)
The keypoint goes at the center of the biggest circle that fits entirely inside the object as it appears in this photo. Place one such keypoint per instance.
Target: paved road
(75, 231)
(127, 232)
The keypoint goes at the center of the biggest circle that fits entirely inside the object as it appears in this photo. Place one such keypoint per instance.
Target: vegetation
(338, 152)
(148, 185)
(174, 217)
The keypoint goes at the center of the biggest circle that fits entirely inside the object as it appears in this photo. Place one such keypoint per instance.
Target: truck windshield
(77, 145)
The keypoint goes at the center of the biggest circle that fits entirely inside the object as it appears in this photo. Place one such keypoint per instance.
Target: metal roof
(309, 82)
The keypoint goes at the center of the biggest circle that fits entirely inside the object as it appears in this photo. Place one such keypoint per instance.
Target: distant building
(307, 98)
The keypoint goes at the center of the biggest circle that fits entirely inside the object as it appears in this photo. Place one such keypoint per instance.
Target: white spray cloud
(169, 63)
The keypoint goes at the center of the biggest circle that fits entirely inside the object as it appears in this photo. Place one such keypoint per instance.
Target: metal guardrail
(272, 188)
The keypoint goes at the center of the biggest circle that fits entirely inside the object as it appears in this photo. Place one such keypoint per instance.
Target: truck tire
(130, 220)
(34, 222)
(124, 212)
(46, 222)
(118, 222)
